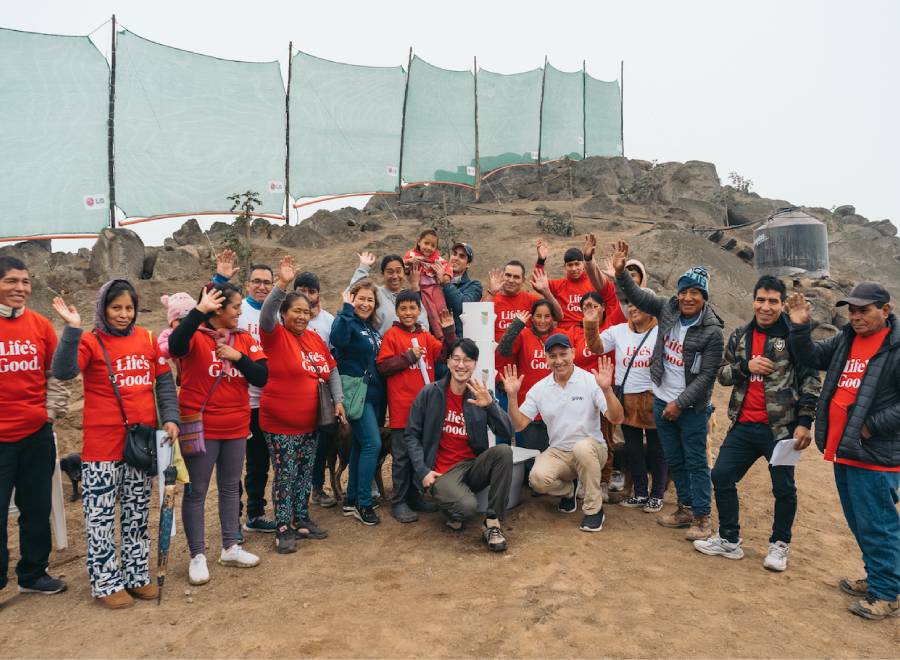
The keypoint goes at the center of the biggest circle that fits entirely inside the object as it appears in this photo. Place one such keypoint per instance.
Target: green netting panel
(562, 126)
(603, 117)
(439, 138)
(345, 127)
(54, 95)
(193, 129)
(509, 118)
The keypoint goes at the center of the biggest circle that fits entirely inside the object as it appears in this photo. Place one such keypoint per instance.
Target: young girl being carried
(428, 272)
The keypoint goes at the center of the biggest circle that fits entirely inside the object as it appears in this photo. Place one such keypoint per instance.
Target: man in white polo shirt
(571, 402)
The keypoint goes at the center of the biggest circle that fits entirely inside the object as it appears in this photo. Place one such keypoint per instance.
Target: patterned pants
(292, 459)
(105, 483)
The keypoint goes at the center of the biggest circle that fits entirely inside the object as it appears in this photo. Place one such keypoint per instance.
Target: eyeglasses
(261, 282)
(456, 359)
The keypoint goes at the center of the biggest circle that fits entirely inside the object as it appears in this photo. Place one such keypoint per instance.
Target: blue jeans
(869, 499)
(363, 456)
(684, 445)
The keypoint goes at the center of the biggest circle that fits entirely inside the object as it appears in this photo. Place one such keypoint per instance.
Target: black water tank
(791, 242)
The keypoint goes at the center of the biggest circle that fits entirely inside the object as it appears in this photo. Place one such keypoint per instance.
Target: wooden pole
(541, 115)
(403, 128)
(477, 156)
(110, 130)
(287, 138)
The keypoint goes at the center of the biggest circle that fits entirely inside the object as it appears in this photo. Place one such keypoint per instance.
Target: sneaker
(148, 592)
(617, 481)
(366, 515)
(858, 588)
(198, 573)
(875, 608)
(117, 600)
(700, 529)
(323, 499)
(307, 529)
(260, 524)
(567, 505)
(593, 522)
(634, 502)
(654, 505)
(493, 535)
(402, 513)
(777, 559)
(681, 517)
(420, 504)
(238, 557)
(716, 545)
(240, 538)
(43, 585)
(348, 507)
(454, 523)
(285, 541)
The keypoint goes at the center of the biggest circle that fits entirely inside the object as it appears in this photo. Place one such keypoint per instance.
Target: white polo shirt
(571, 413)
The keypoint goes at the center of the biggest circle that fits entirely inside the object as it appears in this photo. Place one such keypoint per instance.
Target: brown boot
(147, 592)
(118, 600)
(851, 587)
(875, 608)
(681, 517)
(700, 529)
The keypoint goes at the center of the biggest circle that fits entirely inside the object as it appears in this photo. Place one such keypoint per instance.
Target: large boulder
(68, 272)
(693, 180)
(884, 227)
(342, 223)
(746, 207)
(182, 263)
(118, 253)
(189, 233)
(302, 236)
(558, 224)
(33, 253)
(846, 209)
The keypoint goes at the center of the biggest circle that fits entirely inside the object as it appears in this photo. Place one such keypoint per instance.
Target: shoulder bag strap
(637, 350)
(112, 378)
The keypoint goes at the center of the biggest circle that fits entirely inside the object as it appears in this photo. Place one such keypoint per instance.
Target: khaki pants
(555, 470)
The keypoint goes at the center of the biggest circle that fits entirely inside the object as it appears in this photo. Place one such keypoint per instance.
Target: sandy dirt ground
(635, 589)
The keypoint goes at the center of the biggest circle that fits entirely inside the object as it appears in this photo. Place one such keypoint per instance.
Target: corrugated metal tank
(791, 242)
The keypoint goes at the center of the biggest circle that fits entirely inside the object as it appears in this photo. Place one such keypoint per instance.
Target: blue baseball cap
(558, 339)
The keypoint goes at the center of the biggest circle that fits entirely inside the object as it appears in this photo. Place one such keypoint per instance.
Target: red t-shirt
(584, 358)
(403, 387)
(568, 293)
(289, 403)
(530, 360)
(753, 408)
(136, 362)
(227, 414)
(505, 308)
(27, 343)
(861, 351)
(454, 444)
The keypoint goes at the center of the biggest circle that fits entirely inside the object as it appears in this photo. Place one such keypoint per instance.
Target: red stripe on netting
(136, 221)
(438, 183)
(507, 167)
(327, 199)
(46, 237)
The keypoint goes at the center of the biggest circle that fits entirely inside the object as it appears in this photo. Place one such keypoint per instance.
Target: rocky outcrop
(182, 263)
(118, 253)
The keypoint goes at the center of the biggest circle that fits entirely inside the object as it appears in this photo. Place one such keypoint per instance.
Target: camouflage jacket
(792, 391)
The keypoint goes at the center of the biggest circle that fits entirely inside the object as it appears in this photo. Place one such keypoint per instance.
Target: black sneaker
(348, 507)
(636, 502)
(307, 529)
(366, 515)
(570, 504)
(285, 541)
(593, 522)
(43, 585)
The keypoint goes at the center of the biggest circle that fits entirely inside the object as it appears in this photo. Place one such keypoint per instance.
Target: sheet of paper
(784, 453)
(422, 367)
(163, 458)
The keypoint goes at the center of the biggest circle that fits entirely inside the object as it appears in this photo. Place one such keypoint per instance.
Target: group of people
(270, 377)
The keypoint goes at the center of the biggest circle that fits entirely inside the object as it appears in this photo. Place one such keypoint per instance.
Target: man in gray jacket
(683, 369)
(447, 442)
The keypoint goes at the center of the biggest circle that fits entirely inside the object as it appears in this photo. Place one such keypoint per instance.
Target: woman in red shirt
(218, 362)
(289, 406)
(116, 351)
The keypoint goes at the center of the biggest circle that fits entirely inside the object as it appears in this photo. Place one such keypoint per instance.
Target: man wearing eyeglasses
(257, 287)
(447, 441)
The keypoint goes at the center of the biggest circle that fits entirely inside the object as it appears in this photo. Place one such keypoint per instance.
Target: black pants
(325, 444)
(640, 459)
(257, 469)
(27, 465)
(401, 469)
(742, 447)
(455, 490)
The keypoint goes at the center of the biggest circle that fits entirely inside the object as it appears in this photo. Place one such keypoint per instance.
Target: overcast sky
(800, 97)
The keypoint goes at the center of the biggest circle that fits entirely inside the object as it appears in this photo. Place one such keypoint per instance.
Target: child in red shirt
(433, 271)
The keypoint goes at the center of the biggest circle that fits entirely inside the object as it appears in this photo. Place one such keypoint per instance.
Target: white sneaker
(237, 556)
(777, 558)
(198, 573)
(716, 545)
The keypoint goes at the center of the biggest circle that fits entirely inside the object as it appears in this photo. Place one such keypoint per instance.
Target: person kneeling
(571, 402)
(447, 442)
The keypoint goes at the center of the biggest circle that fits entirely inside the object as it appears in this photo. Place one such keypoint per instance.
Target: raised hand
(481, 393)
(590, 245)
(225, 264)
(591, 314)
(604, 372)
(543, 250)
(347, 297)
(210, 301)
(539, 282)
(287, 270)
(524, 317)
(620, 256)
(798, 308)
(512, 381)
(415, 275)
(67, 313)
(496, 277)
(366, 259)
(446, 318)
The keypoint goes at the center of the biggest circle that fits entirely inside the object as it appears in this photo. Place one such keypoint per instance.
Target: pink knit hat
(177, 305)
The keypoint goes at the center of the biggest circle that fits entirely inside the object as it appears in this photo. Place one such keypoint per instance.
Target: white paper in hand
(784, 453)
(422, 366)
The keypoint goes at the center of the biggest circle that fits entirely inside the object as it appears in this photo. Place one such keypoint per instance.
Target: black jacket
(877, 402)
(426, 419)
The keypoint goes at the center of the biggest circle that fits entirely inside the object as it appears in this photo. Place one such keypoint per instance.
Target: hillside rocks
(558, 224)
(182, 263)
(118, 253)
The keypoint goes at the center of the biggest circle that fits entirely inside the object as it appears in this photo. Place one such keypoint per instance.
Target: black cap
(573, 254)
(558, 339)
(307, 280)
(468, 248)
(866, 293)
